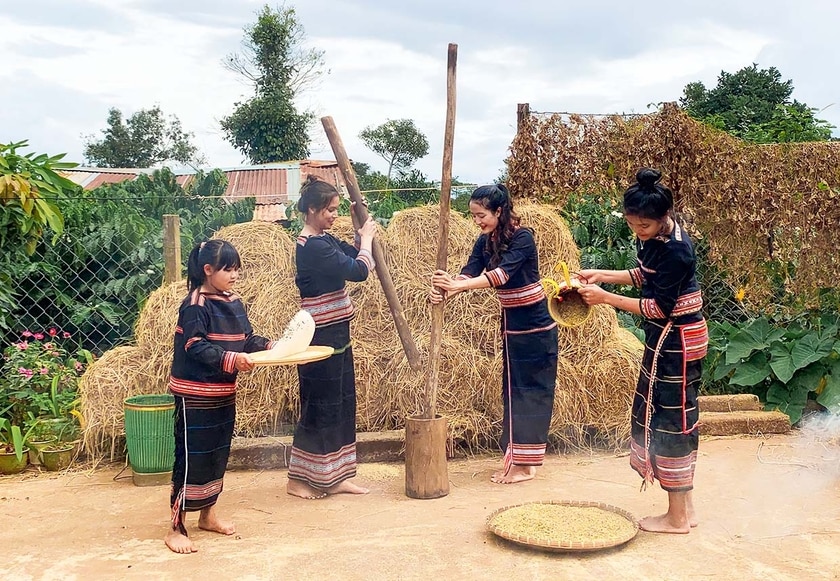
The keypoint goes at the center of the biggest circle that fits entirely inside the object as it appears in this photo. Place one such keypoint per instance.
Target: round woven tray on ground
(583, 545)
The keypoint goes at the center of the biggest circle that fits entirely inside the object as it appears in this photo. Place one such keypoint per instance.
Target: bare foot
(514, 475)
(347, 487)
(664, 524)
(208, 521)
(179, 543)
(689, 509)
(692, 518)
(303, 490)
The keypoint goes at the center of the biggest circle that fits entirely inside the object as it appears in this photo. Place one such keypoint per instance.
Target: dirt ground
(769, 510)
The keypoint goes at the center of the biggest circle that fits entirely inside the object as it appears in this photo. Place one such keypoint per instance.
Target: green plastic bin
(149, 438)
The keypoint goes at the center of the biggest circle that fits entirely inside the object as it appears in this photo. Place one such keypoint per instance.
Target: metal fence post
(171, 248)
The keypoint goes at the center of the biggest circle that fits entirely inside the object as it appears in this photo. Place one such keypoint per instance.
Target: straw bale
(592, 334)
(156, 324)
(552, 235)
(262, 246)
(412, 237)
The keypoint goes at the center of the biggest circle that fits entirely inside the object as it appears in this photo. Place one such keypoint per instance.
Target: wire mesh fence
(90, 286)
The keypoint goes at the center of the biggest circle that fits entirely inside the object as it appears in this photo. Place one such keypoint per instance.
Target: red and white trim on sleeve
(229, 362)
(497, 277)
(366, 258)
(650, 309)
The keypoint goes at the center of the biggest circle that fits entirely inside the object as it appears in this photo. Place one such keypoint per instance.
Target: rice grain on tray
(563, 525)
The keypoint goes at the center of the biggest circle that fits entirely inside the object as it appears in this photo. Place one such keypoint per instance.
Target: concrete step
(272, 452)
(743, 402)
(748, 422)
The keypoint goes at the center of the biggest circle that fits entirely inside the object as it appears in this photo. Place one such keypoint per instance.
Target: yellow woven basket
(565, 305)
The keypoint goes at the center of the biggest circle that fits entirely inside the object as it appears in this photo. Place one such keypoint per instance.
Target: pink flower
(78, 366)
(23, 345)
(53, 332)
(38, 336)
(44, 371)
(27, 373)
(66, 335)
(48, 346)
(26, 334)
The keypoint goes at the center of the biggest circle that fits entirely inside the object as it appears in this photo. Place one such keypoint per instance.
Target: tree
(145, 139)
(754, 104)
(268, 127)
(398, 142)
(790, 123)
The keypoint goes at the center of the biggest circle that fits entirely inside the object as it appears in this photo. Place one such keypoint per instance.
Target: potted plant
(39, 381)
(58, 455)
(40, 434)
(13, 450)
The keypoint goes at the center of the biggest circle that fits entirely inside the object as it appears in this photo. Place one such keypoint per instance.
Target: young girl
(212, 340)
(323, 458)
(664, 416)
(505, 257)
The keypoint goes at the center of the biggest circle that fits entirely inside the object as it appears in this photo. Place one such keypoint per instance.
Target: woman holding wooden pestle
(505, 257)
(323, 458)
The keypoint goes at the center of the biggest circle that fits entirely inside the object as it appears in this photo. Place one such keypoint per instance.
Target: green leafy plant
(783, 362)
(12, 439)
(605, 240)
(600, 231)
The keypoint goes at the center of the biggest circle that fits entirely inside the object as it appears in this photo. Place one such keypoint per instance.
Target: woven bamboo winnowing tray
(582, 545)
(312, 353)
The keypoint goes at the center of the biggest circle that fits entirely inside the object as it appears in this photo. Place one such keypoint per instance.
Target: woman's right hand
(588, 276)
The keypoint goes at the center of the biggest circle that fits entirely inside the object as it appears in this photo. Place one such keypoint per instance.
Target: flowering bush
(39, 378)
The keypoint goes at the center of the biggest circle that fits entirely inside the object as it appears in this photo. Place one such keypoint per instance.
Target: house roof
(268, 183)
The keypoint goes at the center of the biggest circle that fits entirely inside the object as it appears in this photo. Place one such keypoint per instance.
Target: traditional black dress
(212, 329)
(529, 346)
(324, 445)
(664, 416)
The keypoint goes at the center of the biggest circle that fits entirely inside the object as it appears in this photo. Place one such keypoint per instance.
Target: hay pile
(598, 363)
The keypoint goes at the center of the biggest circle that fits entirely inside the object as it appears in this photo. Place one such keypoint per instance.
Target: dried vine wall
(769, 213)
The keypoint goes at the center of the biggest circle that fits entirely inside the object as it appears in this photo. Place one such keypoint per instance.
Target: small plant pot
(58, 457)
(35, 447)
(9, 463)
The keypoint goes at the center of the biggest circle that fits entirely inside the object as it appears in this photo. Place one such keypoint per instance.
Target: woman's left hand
(592, 294)
(442, 280)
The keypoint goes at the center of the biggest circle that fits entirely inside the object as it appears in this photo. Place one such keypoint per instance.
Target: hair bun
(310, 179)
(647, 177)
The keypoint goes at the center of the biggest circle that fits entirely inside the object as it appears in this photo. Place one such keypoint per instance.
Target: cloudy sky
(66, 62)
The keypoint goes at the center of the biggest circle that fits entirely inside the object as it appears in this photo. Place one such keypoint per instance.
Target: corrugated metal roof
(268, 183)
(269, 213)
(268, 186)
